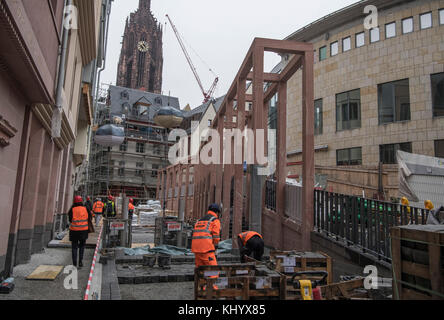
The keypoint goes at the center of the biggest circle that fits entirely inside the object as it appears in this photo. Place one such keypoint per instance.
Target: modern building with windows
(376, 91)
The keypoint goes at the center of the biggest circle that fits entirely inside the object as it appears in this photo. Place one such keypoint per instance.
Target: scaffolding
(121, 170)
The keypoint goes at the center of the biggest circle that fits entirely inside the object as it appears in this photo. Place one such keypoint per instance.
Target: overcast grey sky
(218, 32)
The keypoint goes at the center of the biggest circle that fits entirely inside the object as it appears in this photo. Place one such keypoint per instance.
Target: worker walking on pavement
(110, 209)
(89, 204)
(250, 242)
(206, 237)
(78, 231)
(98, 210)
(131, 210)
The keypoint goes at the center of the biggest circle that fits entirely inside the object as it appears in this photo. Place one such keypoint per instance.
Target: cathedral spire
(145, 4)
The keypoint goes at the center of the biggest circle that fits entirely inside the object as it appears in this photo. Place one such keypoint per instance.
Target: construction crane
(207, 94)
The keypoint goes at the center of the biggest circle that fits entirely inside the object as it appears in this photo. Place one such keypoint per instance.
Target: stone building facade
(376, 91)
(36, 168)
(141, 59)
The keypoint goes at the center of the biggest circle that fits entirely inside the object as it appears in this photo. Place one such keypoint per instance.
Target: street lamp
(167, 117)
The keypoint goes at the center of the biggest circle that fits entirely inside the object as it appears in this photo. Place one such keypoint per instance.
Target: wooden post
(308, 167)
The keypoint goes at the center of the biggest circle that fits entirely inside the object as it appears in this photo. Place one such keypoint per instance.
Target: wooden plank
(408, 294)
(415, 269)
(44, 272)
(435, 275)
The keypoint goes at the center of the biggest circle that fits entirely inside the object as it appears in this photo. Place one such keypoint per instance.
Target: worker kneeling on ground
(206, 237)
(250, 242)
(78, 231)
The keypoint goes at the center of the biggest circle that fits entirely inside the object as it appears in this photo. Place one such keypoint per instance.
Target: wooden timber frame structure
(213, 182)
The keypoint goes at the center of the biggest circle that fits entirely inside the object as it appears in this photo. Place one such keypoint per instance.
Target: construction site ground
(137, 282)
(49, 289)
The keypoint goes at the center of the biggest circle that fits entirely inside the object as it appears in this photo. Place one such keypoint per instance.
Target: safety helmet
(404, 201)
(78, 199)
(429, 205)
(215, 208)
(110, 198)
(88, 198)
(131, 200)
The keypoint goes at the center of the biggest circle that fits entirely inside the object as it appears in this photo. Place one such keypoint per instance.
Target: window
(322, 53)
(121, 163)
(439, 149)
(390, 30)
(140, 147)
(334, 48)
(374, 35)
(387, 152)
(349, 157)
(407, 25)
(139, 165)
(154, 171)
(441, 16)
(394, 101)
(425, 20)
(124, 146)
(121, 172)
(346, 44)
(318, 117)
(156, 150)
(438, 94)
(124, 95)
(209, 122)
(360, 39)
(348, 110)
(135, 111)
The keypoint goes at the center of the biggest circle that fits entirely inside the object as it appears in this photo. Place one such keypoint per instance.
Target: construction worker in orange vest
(98, 210)
(250, 242)
(78, 231)
(206, 237)
(131, 209)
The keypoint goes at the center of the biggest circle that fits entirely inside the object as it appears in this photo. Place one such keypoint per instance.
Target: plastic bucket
(164, 260)
(149, 260)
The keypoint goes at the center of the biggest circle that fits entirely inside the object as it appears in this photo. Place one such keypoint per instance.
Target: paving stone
(126, 280)
(163, 278)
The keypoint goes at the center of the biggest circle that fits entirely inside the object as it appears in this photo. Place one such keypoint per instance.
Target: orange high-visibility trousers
(205, 259)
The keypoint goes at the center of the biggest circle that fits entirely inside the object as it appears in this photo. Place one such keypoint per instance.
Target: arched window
(131, 43)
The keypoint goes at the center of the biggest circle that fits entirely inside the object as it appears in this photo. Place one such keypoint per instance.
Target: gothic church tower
(141, 59)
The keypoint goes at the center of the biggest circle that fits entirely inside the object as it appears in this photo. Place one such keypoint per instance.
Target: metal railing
(364, 223)
(270, 194)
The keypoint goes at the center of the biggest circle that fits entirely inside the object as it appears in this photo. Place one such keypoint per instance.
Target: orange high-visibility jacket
(130, 206)
(98, 207)
(245, 236)
(79, 219)
(206, 234)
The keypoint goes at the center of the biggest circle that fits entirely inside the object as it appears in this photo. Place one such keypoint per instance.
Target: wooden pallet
(418, 263)
(238, 281)
(344, 290)
(302, 261)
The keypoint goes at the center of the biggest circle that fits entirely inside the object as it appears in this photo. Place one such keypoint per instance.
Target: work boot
(80, 264)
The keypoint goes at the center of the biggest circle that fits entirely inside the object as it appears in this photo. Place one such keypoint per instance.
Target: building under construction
(130, 168)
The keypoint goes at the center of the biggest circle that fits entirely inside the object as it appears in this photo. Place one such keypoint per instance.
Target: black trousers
(80, 246)
(253, 246)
